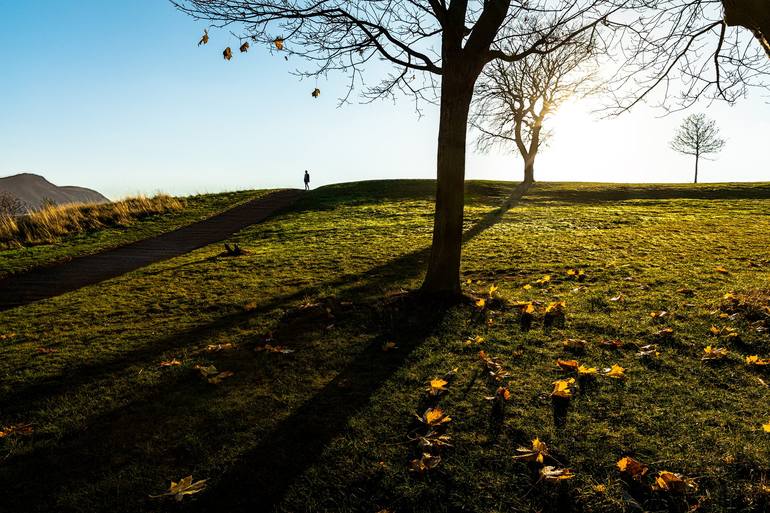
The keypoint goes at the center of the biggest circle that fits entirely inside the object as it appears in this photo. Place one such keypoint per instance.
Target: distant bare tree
(514, 99)
(697, 136)
(10, 205)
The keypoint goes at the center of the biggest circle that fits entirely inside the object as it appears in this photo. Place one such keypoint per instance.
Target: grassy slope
(326, 428)
(196, 208)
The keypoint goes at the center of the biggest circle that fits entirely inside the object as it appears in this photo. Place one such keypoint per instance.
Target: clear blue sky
(116, 95)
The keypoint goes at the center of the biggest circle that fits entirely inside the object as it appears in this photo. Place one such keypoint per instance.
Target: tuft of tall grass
(52, 222)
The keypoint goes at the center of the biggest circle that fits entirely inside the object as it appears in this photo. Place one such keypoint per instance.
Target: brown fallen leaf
(170, 363)
(185, 486)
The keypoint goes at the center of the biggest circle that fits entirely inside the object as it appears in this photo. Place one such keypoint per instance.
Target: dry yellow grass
(51, 223)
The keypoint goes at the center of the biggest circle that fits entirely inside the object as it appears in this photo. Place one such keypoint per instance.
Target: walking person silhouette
(307, 180)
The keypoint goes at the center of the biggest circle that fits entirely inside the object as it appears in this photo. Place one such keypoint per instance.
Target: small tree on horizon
(513, 100)
(697, 136)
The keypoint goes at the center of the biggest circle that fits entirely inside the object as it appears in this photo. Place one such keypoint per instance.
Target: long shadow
(409, 265)
(263, 475)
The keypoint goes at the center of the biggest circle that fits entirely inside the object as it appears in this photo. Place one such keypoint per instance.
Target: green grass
(195, 208)
(328, 427)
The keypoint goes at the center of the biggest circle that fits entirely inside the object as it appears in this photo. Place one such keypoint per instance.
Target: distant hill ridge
(34, 190)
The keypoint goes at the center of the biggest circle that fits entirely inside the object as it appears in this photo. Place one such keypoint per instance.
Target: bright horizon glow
(118, 97)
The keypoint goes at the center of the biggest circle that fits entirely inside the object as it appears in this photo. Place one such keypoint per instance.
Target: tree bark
(529, 170)
(750, 14)
(443, 276)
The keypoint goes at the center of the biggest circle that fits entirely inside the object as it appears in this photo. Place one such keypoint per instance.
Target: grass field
(100, 423)
(122, 222)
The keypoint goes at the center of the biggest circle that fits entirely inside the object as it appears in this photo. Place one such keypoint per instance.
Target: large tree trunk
(529, 167)
(751, 14)
(443, 277)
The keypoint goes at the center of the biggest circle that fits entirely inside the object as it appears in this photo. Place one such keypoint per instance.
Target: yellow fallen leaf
(481, 303)
(537, 452)
(766, 427)
(527, 286)
(437, 386)
(672, 482)
(434, 417)
(616, 371)
(721, 270)
(714, 353)
(756, 360)
(587, 371)
(562, 388)
(633, 468)
(182, 488)
(492, 290)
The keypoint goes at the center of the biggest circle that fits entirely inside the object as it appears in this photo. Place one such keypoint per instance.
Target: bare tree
(697, 136)
(680, 51)
(10, 205)
(514, 99)
(448, 43)
(452, 40)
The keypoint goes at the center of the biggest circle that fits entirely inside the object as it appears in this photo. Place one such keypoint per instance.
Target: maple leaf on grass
(537, 452)
(616, 372)
(433, 417)
(185, 486)
(632, 467)
(568, 365)
(437, 387)
(562, 388)
(674, 483)
(713, 353)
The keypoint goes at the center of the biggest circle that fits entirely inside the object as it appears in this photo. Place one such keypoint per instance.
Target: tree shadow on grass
(261, 477)
(23, 397)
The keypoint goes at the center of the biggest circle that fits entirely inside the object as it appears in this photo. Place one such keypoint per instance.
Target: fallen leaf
(619, 297)
(215, 380)
(721, 270)
(182, 488)
(756, 360)
(426, 462)
(672, 482)
(658, 314)
(527, 286)
(481, 303)
(545, 279)
(633, 468)
(562, 388)
(612, 343)
(434, 440)
(568, 365)
(714, 353)
(766, 427)
(170, 363)
(555, 308)
(434, 417)
(555, 474)
(587, 371)
(616, 372)
(22, 429)
(537, 452)
(575, 343)
(437, 386)
(648, 351)
(492, 290)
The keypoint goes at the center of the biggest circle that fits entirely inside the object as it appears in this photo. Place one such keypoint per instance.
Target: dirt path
(45, 282)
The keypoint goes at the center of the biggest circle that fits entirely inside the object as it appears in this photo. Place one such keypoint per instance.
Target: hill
(289, 377)
(33, 190)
